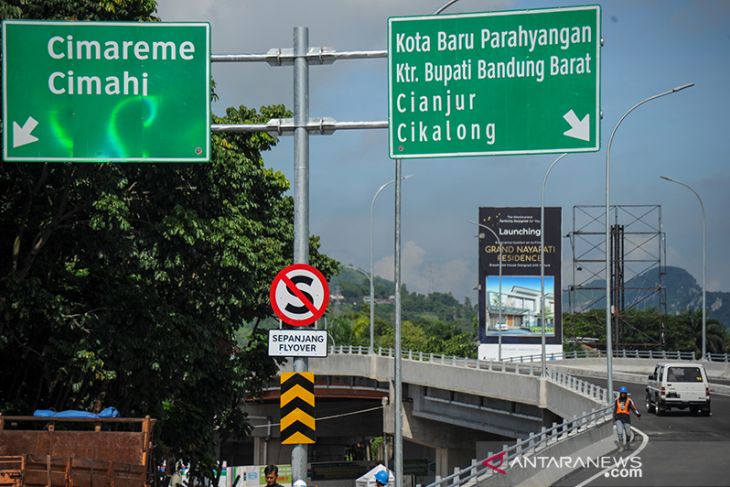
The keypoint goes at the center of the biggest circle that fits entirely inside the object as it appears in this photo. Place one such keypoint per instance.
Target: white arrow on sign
(579, 129)
(22, 135)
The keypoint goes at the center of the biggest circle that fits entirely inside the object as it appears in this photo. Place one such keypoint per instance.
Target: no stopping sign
(299, 295)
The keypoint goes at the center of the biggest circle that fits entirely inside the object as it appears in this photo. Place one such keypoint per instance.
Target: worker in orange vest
(622, 416)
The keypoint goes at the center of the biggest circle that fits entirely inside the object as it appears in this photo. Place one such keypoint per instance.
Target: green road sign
(106, 91)
(522, 82)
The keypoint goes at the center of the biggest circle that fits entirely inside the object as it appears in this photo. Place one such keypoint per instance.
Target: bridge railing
(718, 357)
(524, 448)
(532, 359)
(646, 354)
(434, 358)
(593, 391)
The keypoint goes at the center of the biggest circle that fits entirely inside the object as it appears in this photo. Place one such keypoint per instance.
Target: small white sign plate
(297, 343)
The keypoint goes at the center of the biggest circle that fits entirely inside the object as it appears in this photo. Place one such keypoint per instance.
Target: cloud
(424, 276)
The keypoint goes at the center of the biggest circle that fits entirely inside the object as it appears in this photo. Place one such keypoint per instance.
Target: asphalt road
(682, 450)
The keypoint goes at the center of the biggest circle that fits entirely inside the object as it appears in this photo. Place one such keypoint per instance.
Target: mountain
(683, 293)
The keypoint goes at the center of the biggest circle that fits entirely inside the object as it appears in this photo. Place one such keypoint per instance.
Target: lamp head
(682, 87)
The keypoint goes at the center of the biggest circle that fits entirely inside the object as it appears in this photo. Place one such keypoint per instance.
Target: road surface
(682, 450)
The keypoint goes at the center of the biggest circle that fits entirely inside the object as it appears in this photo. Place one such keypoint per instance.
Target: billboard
(510, 307)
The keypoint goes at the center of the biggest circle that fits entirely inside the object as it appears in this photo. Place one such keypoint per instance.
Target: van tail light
(663, 391)
(707, 391)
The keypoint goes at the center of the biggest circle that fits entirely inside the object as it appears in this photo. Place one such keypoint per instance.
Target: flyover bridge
(465, 408)
(450, 403)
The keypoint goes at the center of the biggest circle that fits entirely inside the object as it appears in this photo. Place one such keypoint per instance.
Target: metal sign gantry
(301, 125)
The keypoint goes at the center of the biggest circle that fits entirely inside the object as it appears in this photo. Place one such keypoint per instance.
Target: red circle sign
(299, 295)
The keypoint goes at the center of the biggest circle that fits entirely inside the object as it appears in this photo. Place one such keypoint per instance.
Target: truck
(78, 452)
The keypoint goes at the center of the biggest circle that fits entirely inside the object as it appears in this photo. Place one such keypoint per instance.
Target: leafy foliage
(642, 329)
(79, 9)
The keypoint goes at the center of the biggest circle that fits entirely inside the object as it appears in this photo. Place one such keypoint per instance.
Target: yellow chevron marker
(298, 424)
(298, 439)
(297, 391)
(297, 415)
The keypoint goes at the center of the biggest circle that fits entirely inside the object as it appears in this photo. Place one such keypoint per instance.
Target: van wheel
(706, 412)
(649, 406)
(661, 410)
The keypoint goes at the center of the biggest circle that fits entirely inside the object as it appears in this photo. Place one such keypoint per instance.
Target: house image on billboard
(517, 311)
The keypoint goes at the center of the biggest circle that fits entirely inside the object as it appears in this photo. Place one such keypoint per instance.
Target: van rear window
(684, 374)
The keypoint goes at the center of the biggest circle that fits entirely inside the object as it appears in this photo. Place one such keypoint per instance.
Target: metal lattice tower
(637, 256)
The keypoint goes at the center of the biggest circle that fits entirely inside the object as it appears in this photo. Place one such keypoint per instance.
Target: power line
(325, 418)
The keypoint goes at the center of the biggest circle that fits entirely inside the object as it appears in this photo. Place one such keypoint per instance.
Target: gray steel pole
(372, 278)
(542, 261)
(372, 275)
(609, 346)
(398, 393)
(301, 197)
(501, 304)
(704, 262)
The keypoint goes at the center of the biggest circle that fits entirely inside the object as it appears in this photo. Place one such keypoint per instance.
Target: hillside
(683, 293)
(350, 290)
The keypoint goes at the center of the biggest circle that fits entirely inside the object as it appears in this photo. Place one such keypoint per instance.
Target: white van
(678, 385)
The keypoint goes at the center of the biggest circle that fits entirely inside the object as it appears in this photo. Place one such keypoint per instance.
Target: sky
(649, 47)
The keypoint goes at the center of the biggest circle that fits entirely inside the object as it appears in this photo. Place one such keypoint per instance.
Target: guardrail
(575, 354)
(646, 354)
(718, 357)
(529, 446)
(434, 358)
(597, 393)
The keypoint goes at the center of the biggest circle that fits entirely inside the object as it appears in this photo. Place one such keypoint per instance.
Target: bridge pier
(453, 445)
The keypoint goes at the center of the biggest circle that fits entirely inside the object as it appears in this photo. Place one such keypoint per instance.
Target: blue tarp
(110, 412)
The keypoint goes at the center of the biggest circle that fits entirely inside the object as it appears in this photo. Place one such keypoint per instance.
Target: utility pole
(397, 373)
(301, 197)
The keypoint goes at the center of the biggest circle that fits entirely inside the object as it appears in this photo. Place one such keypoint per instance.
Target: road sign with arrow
(511, 82)
(106, 91)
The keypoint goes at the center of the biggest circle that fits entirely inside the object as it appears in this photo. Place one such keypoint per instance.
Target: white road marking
(644, 442)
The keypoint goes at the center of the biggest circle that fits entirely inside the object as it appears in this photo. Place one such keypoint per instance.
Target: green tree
(642, 329)
(79, 9)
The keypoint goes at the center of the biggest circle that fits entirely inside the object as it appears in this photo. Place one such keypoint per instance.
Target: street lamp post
(372, 277)
(542, 260)
(486, 292)
(609, 347)
(704, 261)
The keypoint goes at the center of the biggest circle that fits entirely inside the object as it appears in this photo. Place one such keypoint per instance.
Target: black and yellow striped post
(297, 423)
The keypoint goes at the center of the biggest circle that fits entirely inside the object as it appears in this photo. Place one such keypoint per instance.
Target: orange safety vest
(624, 408)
